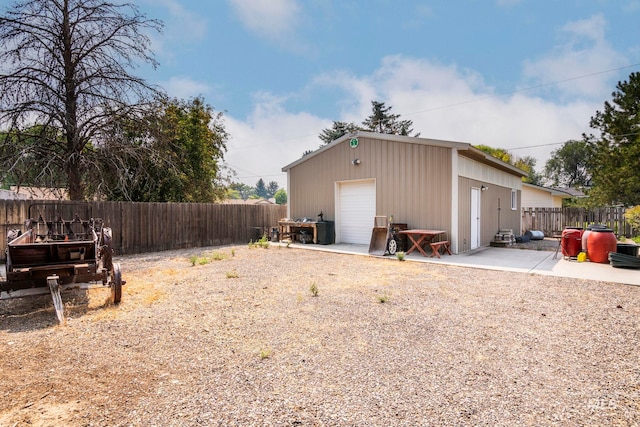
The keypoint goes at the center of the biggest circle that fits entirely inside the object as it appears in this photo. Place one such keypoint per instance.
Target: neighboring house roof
(464, 149)
(248, 202)
(553, 191)
(11, 195)
(41, 193)
(574, 192)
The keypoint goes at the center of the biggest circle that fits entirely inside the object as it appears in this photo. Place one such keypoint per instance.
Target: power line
(497, 95)
(482, 98)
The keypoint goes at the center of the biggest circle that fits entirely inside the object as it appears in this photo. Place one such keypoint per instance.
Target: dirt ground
(282, 336)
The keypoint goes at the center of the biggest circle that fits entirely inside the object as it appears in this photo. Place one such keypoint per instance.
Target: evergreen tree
(261, 189)
(382, 120)
(616, 153)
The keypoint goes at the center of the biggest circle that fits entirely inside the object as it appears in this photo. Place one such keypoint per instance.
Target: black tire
(392, 246)
(116, 284)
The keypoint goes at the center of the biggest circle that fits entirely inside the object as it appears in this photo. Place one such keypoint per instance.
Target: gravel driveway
(239, 339)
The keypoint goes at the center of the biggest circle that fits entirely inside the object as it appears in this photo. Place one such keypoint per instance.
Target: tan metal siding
(495, 212)
(413, 181)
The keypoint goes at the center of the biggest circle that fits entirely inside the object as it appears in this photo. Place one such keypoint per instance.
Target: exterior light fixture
(483, 187)
(355, 162)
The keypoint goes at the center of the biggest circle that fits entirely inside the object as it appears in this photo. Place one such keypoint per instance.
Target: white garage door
(357, 211)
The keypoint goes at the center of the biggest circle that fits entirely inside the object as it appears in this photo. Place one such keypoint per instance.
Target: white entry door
(357, 209)
(475, 218)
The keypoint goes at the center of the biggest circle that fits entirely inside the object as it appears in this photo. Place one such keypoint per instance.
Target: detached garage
(424, 183)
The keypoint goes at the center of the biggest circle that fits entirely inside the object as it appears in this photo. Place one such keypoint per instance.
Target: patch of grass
(217, 256)
(636, 239)
(265, 353)
(203, 259)
(232, 274)
(233, 253)
(400, 256)
(314, 289)
(382, 298)
(262, 243)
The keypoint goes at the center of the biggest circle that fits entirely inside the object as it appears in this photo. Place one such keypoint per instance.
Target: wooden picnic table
(420, 237)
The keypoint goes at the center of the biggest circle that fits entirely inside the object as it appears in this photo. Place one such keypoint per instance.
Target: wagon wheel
(106, 251)
(116, 284)
(392, 246)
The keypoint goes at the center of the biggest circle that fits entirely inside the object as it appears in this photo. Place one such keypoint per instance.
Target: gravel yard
(239, 339)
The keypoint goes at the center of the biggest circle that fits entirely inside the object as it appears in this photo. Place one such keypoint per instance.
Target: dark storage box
(326, 232)
(627, 249)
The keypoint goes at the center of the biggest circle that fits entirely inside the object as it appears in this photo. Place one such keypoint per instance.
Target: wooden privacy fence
(552, 221)
(150, 227)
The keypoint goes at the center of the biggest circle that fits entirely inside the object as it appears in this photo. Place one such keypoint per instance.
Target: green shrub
(633, 216)
(262, 243)
(314, 289)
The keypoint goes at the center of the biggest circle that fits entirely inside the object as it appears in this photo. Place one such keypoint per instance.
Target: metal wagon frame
(56, 254)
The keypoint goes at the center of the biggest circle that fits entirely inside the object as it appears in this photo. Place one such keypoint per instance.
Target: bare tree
(64, 79)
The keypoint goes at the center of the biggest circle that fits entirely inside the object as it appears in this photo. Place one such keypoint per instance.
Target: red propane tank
(600, 242)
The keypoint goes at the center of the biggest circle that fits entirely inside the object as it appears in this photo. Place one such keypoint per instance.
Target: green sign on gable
(353, 143)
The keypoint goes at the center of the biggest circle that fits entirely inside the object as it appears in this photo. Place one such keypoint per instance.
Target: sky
(524, 75)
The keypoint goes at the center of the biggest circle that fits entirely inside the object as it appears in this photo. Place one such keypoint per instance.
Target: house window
(514, 200)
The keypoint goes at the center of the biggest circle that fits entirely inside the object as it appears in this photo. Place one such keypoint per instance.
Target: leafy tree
(244, 191)
(261, 189)
(569, 165)
(526, 163)
(337, 130)
(498, 153)
(173, 155)
(18, 152)
(272, 188)
(616, 152)
(281, 196)
(64, 79)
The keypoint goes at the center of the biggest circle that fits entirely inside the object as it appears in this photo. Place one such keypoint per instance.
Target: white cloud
(185, 87)
(447, 103)
(584, 51)
(269, 139)
(275, 19)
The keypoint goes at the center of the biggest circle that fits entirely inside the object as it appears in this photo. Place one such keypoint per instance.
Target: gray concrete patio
(508, 259)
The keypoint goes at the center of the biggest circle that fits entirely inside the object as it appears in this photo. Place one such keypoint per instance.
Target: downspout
(453, 237)
(288, 193)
